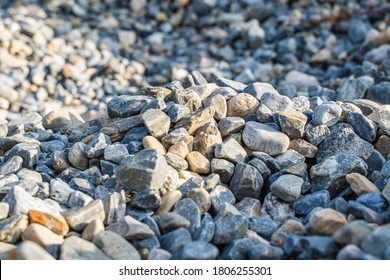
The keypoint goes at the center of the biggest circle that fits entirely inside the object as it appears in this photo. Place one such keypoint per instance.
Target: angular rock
(304, 204)
(93, 229)
(97, 146)
(115, 208)
(325, 222)
(130, 229)
(292, 123)
(78, 220)
(147, 200)
(196, 250)
(246, 181)
(12, 165)
(76, 248)
(28, 152)
(126, 106)
(230, 228)
(197, 119)
(206, 139)
(157, 122)
(304, 148)
(362, 126)
(326, 114)
(242, 105)
(115, 246)
(171, 221)
(12, 228)
(175, 239)
(56, 224)
(150, 142)
(41, 235)
(61, 120)
(287, 187)
(360, 184)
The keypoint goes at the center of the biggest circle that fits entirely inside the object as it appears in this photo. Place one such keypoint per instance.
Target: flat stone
(176, 112)
(206, 139)
(41, 235)
(304, 148)
(263, 226)
(304, 204)
(97, 145)
(146, 170)
(330, 173)
(12, 228)
(56, 224)
(78, 220)
(325, 222)
(287, 187)
(93, 229)
(201, 197)
(175, 239)
(377, 241)
(196, 120)
(292, 123)
(157, 122)
(196, 250)
(171, 221)
(126, 106)
(115, 208)
(115, 246)
(246, 181)
(61, 121)
(150, 142)
(360, 184)
(27, 250)
(147, 200)
(76, 248)
(230, 228)
(198, 163)
(129, 228)
(6, 143)
(343, 140)
(353, 233)
(232, 151)
(263, 138)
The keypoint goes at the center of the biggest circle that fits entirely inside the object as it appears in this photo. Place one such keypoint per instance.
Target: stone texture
(157, 122)
(12, 228)
(57, 224)
(61, 120)
(198, 163)
(360, 184)
(41, 235)
(246, 181)
(129, 228)
(232, 151)
(78, 220)
(326, 221)
(115, 246)
(292, 123)
(287, 187)
(27, 250)
(242, 105)
(230, 228)
(76, 248)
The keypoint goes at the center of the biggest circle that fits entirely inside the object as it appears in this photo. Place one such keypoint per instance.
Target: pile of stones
(199, 170)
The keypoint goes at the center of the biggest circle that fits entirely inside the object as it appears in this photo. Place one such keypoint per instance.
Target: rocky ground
(198, 129)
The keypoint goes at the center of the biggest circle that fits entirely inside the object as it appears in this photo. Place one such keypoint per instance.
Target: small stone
(263, 226)
(325, 222)
(171, 221)
(146, 170)
(4, 210)
(263, 138)
(28, 152)
(223, 168)
(115, 208)
(304, 148)
(265, 252)
(383, 145)
(219, 104)
(115, 153)
(330, 173)
(353, 252)
(289, 159)
(249, 207)
(258, 89)
(115, 246)
(316, 134)
(242, 105)
(326, 114)
(126, 106)
(386, 192)
(196, 250)
(223, 82)
(189, 210)
(77, 157)
(78, 220)
(60, 161)
(79, 199)
(180, 149)
(228, 126)
(41, 235)
(377, 241)
(232, 151)
(167, 201)
(246, 181)
(374, 201)
(237, 249)
(12, 228)
(352, 233)
(360, 184)
(197, 119)
(385, 126)
(5, 247)
(93, 229)
(226, 210)
(147, 200)
(276, 208)
(157, 122)
(261, 167)
(129, 228)
(291, 226)
(27, 250)
(276, 102)
(176, 161)
(362, 126)
(159, 254)
(219, 196)
(187, 97)
(201, 197)
(310, 247)
(304, 204)
(198, 163)
(12, 165)
(97, 146)
(76, 248)
(57, 224)
(230, 228)
(292, 123)
(206, 139)
(176, 112)
(61, 121)
(205, 231)
(343, 140)
(287, 187)
(60, 191)
(175, 239)
(150, 142)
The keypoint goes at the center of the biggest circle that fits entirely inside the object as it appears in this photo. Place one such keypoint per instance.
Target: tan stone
(197, 119)
(57, 224)
(383, 145)
(180, 149)
(289, 226)
(150, 142)
(201, 197)
(93, 229)
(167, 201)
(205, 140)
(241, 105)
(304, 148)
(41, 235)
(360, 184)
(198, 163)
(326, 222)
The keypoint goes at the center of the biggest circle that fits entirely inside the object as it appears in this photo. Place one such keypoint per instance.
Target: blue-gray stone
(326, 114)
(362, 126)
(303, 205)
(223, 82)
(265, 252)
(108, 168)
(353, 252)
(374, 201)
(135, 134)
(276, 208)
(147, 199)
(269, 161)
(379, 93)
(220, 195)
(97, 145)
(237, 250)
(189, 209)
(263, 226)
(310, 247)
(190, 184)
(196, 250)
(171, 221)
(12, 165)
(146, 219)
(51, 146)
(339, 204)
(261, 167)
(148, 243)
(246, 181)
(316, 134)
(205, 232)
(126, 106)
(175, 239)
(230, 228)
(134, 147)
(377, 241)
(176, 112)
(375, 162)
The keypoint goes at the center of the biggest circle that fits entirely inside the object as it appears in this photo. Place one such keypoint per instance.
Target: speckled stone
(230, 228)
(232, 151)
(220, 195)
(326, 221)
(246, 181)
(287, 187)
(292, 123)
